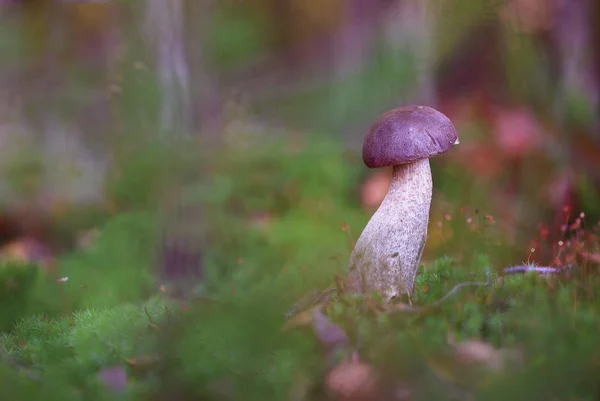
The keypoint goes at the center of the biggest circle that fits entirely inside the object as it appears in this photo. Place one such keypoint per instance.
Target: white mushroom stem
(387, 254)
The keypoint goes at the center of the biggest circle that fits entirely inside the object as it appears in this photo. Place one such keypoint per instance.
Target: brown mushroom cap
(406, 134)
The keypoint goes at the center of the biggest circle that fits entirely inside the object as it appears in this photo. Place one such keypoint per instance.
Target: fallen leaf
(481, 353)
(353, 381)
(303, 318)
(143, 363)
(475, 351)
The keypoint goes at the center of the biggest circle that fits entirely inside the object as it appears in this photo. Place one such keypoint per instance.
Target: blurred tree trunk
(164, 30)
(471, 75)
(350, 43)
(63, 88)
(410, 28)
(204, 82)
(348, 50)
(176, 33)
(54, 151)
(574, 36)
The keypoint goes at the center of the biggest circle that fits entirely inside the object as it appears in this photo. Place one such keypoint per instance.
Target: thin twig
(458, 287)
(536, 269)
(148, 314)
(312, 298)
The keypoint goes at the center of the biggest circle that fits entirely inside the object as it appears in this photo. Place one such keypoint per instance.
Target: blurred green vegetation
(229, 343)
(279, 218)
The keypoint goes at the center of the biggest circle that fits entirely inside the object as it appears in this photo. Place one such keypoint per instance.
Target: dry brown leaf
(353, 381)
(143, 363)
(303, 318)
(477, 352)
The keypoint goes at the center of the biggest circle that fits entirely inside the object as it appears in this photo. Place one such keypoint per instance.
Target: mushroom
(387, 254)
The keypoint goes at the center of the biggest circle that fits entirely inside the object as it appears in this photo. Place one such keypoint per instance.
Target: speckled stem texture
(387, 254)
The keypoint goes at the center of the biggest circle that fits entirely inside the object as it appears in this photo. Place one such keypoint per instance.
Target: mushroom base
(387, 254)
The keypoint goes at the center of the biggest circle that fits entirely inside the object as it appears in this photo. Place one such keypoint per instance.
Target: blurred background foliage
(86, 84)
(225, 135)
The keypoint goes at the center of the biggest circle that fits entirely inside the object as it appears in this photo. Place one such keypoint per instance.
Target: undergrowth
(279, 224)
